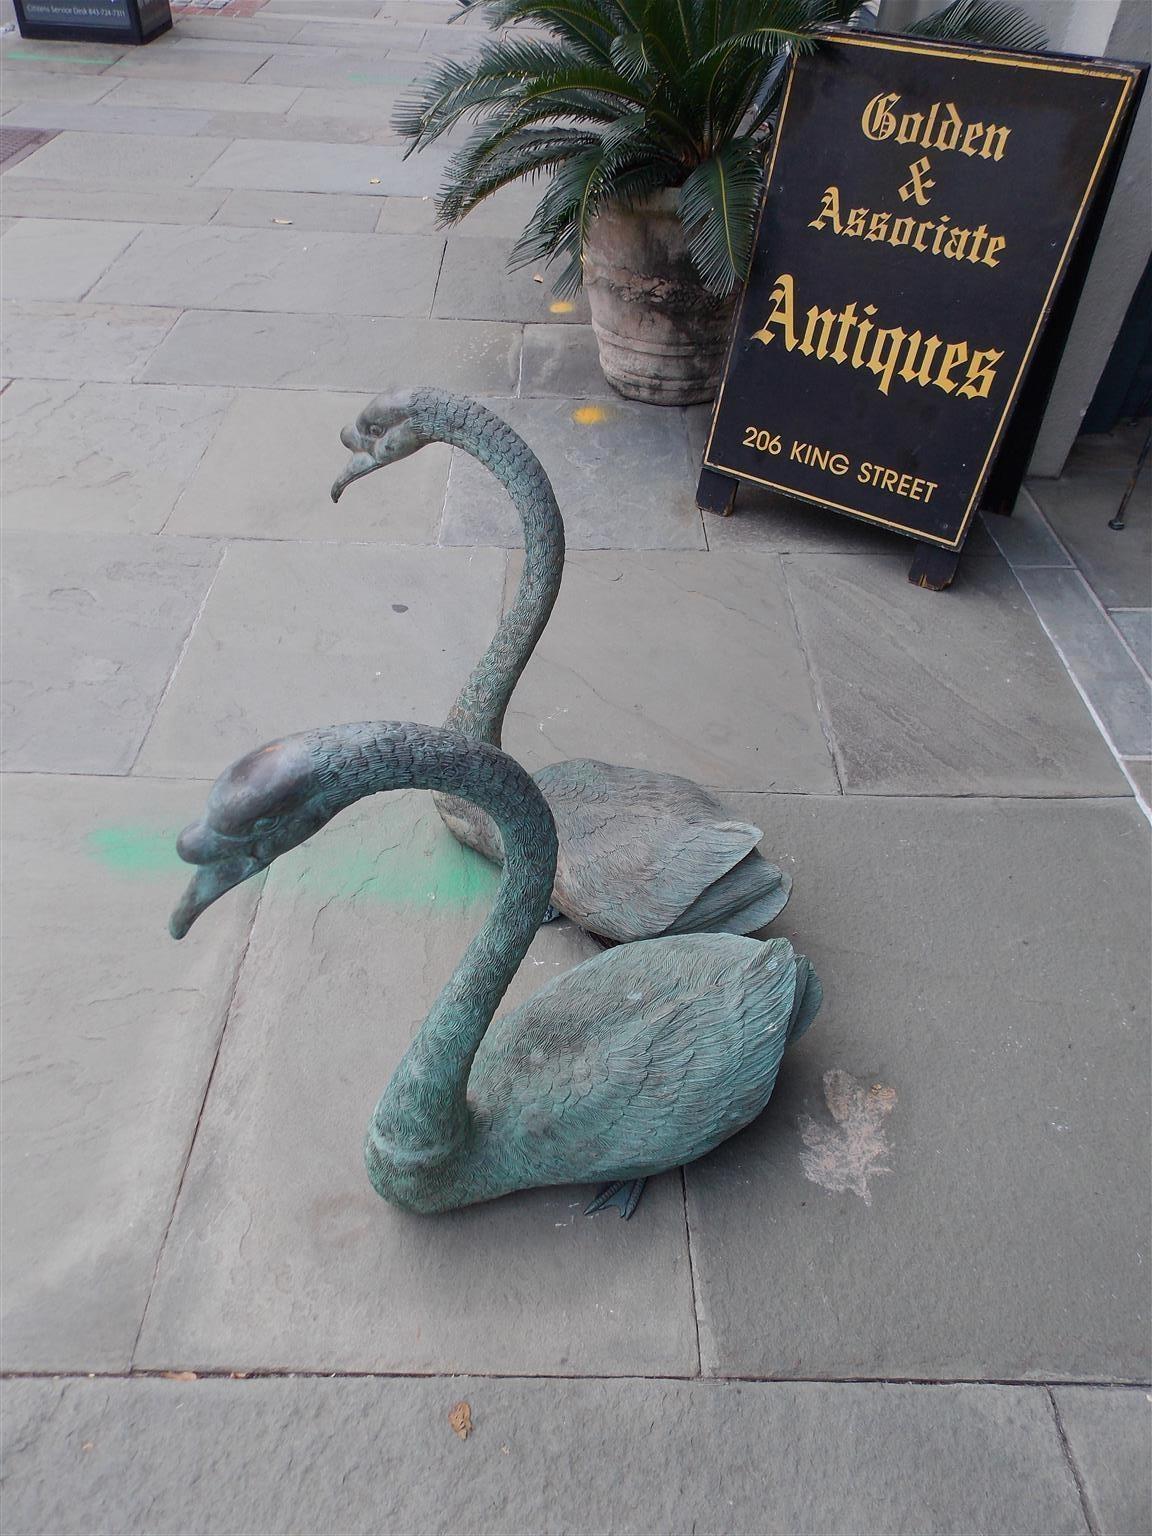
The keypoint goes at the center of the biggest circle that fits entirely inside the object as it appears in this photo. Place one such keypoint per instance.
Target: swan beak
(359, 464)
(208, 884)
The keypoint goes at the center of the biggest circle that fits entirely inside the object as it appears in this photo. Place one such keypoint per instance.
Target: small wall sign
(102, 21)
(924, 205)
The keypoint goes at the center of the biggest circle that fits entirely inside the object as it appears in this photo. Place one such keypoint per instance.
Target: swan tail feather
(745, 898)
(809, 996)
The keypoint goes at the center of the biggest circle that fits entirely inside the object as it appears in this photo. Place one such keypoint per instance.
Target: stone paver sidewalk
(914, 1296)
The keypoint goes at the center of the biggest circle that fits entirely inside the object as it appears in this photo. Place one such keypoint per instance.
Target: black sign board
(923, 206)
(103, 21)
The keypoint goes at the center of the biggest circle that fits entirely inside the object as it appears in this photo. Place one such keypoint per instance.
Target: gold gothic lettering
(941, 127)
(950, 240)
(888, 352)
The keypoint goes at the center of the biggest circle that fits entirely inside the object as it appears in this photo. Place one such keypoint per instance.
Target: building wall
(1118, 29)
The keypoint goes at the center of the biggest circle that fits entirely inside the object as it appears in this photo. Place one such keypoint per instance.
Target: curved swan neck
(424, 1104)
(479, 710)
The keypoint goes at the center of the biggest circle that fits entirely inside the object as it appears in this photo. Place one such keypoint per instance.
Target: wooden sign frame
(1007, 448)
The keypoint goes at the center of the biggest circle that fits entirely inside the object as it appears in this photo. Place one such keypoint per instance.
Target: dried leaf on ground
(460, 1418)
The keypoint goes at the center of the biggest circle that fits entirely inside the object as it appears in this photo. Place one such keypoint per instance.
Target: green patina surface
(416, 871)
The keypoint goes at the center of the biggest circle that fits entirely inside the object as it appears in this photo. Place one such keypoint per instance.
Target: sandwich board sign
(928, 216)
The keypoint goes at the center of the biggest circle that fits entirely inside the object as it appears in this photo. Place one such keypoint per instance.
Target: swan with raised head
(641, 854)
(634, 1062)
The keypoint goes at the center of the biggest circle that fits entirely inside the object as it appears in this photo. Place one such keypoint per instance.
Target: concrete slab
(193, 60)
(81, 341)
(297, 634)
(562, 360)
(1119, 692)
(110, 159)
(984, 1212)
(750, 1459)
(502, 215)
(111, 458)
(281, 1250)
(619, 472)
(174, 41)
(32, 84)
(265, 28)
(354, 34)
(686, 663)
(366, 169)
(337, 352)
(274, 270)
(1109, 1435)
(61, 258)
(284, 126)
(427, 11)
(308, 8)
(763, 520)
(1135, 624)
(94, 626)
(1025, 539)
(977, 705)
(269, 469)
(110, 1037)
(20, 54)
(202, 95)
(101, 118)
(475, 284)
(344, 68)
(1108, 1438)
(302, 210)
(358, 103)
(149, 202)
(409, 216)
(1079, 505)
(1141, 771)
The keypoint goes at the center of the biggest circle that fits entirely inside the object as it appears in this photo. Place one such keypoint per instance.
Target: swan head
(384, 432)
(265, 804)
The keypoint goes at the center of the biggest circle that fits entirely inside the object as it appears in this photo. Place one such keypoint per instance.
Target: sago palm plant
(622, 98)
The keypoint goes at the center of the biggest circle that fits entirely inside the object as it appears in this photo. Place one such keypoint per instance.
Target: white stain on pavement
(845, 1155)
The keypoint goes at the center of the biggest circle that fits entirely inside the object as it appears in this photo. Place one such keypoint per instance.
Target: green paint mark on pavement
(126, 849)
(52, 58)
(426, 867)
(400, 865)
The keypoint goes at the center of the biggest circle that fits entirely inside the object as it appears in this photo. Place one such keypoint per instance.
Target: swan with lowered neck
(641, 854)
(640, 1059)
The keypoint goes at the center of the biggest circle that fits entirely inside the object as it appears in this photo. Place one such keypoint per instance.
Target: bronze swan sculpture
(641, 853)
(636, 1061)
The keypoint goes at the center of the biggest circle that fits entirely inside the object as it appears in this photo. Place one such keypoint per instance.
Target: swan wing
(637, 849)
(640, 1059)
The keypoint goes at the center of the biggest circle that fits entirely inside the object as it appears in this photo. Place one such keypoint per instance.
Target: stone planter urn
(661, 334)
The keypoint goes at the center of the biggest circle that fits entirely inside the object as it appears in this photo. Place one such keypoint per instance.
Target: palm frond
(503, 70)
(588, 24)
(718, 210)
(620, 97)
(476, 171)
(983, 21)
